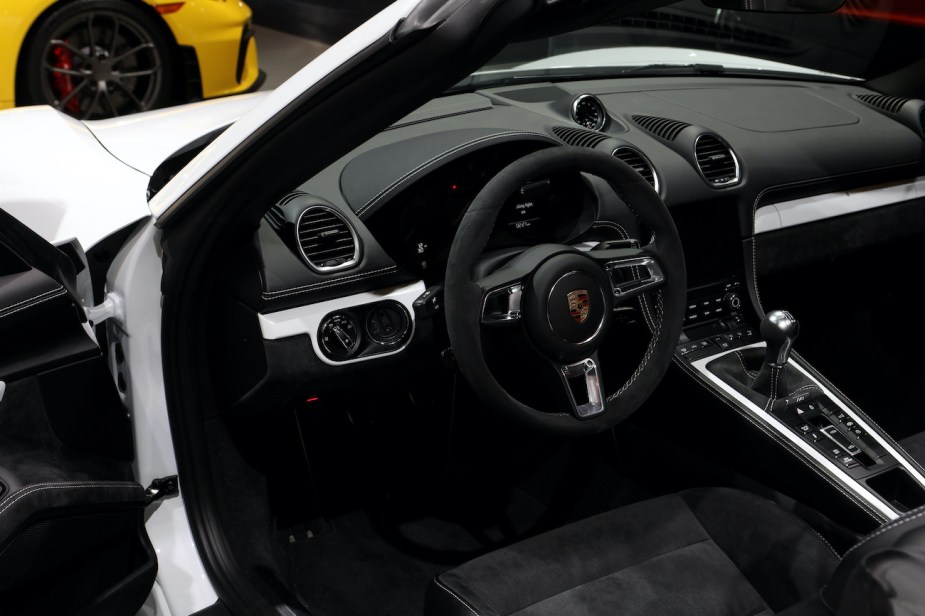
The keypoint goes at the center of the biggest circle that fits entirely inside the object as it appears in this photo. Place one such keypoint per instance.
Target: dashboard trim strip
(778, 216)
(305, 320)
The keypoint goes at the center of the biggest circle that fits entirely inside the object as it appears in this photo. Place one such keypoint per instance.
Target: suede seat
(710, 552)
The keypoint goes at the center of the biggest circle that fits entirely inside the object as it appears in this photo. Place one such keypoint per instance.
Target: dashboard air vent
(890, 104)
(717, 162)
(922, 119)
(578, 136)
(327, 241)
(661, 127)
(276, 218)
(639, 163)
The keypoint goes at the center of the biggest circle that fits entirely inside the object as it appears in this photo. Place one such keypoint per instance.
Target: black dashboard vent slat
(663, 128)
(578, 136)
(716, 161)
(639, 163)
(922, 119)
(275, 218)
(326, 239)
(889, 104)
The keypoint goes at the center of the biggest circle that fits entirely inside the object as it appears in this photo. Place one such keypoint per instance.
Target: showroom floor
(281, 54)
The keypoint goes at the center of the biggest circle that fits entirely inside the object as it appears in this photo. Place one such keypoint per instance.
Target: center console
(751, 366)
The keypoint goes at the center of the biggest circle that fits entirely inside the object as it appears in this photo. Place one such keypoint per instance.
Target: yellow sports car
(102, 58)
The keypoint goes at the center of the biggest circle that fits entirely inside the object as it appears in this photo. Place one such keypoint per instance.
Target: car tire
(96, 59)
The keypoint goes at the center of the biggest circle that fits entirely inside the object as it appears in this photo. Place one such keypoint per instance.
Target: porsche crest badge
(579, 305)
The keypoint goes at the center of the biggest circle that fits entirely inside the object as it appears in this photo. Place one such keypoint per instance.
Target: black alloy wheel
(96, 59)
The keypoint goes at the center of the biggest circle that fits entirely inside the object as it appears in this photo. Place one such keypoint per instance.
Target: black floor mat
(379, 561)
(371, 564)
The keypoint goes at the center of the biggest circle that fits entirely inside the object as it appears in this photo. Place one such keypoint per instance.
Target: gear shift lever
(779, 330)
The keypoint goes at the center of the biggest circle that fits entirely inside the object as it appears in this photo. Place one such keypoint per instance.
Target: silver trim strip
(305, 320)
(827, 465)
(821, 207)
(587, 369)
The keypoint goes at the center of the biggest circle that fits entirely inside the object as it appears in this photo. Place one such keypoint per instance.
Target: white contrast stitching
(455, 596)
(884, 529)
(328, 283)
(420, 168)
(786, 445)
(20, 494)
(56, 293)
(26, 301)
(777, 187)
(749, 373)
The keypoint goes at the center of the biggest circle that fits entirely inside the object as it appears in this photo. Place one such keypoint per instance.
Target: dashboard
(365, 243)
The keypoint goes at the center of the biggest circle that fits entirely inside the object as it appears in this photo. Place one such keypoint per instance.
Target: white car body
(97, 187)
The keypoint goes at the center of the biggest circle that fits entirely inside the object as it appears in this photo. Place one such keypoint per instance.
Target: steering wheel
(562, 299)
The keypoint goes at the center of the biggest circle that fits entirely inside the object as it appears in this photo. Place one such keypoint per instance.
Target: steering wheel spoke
(502, 305)
(632, 270)
(584, 387)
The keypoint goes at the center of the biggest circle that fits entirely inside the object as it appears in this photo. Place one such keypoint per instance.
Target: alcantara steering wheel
(562, 299)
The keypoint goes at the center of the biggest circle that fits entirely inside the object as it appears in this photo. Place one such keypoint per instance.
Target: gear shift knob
(779, 330)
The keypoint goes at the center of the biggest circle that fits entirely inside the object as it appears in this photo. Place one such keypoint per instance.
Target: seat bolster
(441, 599)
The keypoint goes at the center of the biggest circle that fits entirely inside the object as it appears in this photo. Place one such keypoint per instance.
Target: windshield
(864, 39)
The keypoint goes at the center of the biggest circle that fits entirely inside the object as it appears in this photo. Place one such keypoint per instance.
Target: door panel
(72, 536)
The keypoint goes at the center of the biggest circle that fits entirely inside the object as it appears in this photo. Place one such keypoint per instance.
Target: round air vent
(640, 164)
(328, 243)
(717, 162)
(588, 111)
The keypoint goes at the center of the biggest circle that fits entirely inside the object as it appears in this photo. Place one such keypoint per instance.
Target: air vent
(716, 161)
(639, 163)
(890, 104)
(578, 136)
(661, 127)
(922, 119)
(276, 218)
(327, 241)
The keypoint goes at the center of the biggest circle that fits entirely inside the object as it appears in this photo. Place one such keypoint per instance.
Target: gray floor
(281, 55)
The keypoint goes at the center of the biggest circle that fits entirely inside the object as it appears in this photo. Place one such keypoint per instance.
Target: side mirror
(777, 6)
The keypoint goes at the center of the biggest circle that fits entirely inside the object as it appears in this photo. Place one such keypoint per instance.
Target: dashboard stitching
(328, 283)
(788, 185)
(35, 301)
(423, 166)
(787, 447)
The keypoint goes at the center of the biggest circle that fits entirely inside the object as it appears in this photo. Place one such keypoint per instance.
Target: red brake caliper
(64, 84)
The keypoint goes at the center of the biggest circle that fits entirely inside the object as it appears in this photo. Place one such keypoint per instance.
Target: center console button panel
(828, 428)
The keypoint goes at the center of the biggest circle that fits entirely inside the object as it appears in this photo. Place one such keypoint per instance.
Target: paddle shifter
(779, 330)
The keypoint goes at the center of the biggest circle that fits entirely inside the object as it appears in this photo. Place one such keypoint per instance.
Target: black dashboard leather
(369, 179)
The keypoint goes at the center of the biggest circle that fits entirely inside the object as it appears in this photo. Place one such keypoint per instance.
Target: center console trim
(829, 466)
